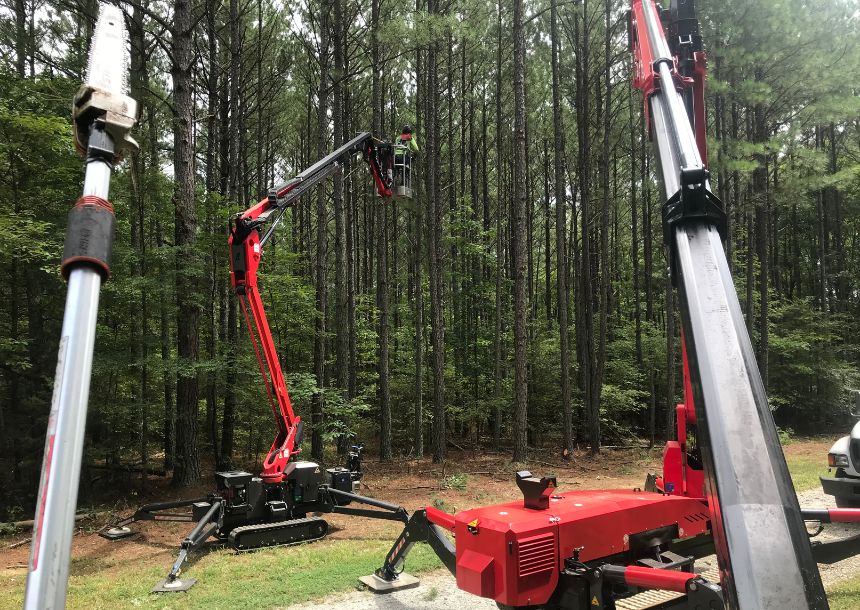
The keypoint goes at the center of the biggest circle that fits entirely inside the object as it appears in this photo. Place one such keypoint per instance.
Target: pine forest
(520, 300)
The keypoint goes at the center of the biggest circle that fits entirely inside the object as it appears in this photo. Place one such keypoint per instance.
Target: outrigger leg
(423, 526)
(206, 527)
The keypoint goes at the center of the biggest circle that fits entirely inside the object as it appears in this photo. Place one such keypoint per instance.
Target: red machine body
(514, 554)
(276, 387)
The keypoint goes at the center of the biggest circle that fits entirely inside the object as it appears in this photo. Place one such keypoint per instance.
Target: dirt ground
(815, 448)
(467, 480)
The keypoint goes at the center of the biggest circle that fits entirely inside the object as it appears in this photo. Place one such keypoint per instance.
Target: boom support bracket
(695, 202)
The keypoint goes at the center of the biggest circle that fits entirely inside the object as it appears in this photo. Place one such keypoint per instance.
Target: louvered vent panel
(696, 517)
(537, 554)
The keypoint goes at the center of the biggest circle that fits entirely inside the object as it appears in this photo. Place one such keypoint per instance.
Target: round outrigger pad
(117, 533)
(172, 586)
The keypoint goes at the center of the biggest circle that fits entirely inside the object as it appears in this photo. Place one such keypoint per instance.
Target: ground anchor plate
(180, 584)
(379, 585)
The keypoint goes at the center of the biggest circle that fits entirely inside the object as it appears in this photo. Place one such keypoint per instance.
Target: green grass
(273, 578)
(845, 595)
(805, 470)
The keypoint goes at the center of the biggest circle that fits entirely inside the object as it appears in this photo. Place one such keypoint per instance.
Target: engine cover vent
(536, 554)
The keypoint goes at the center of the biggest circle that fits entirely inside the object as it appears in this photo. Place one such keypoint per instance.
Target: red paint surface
(652, 578)
(844, 515)
(43, 494)
(440, 518)
(528, 547)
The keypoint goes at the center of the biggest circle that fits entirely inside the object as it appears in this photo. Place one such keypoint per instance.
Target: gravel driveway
(438, 590)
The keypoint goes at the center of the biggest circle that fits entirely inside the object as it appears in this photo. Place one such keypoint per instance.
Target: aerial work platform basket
(401, 187)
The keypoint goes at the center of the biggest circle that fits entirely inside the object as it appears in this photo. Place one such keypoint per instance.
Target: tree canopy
(518, 300)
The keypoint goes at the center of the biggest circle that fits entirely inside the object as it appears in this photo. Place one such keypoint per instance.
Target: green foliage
(441, 504)
(457, 481)
(809, 379)
(786, 436)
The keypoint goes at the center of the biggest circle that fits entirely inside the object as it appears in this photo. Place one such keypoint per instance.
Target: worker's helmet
(407, 129)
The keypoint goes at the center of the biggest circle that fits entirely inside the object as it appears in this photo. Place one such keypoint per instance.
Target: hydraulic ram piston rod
(762, 546)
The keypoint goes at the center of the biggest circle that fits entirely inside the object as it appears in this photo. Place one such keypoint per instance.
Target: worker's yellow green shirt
(411, 143)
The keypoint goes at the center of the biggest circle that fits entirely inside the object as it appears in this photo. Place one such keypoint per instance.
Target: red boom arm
(246, 246)
(689, 71)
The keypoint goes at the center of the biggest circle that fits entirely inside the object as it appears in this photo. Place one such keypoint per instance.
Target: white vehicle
(844, 456)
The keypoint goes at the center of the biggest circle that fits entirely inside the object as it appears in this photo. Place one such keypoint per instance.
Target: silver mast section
(762, 545)
(103, 116)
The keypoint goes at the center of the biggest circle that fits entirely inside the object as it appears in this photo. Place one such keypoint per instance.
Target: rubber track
(281, 533)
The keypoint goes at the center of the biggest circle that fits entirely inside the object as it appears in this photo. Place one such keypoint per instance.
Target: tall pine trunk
(500, 266)
(340, 268)
(762, 220)
(187, 468)
(519, 235)
(560, 227)
(435, 216)
(418, 266)
(321, 288)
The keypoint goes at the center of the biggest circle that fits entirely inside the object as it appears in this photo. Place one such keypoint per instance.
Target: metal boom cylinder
(762, 545)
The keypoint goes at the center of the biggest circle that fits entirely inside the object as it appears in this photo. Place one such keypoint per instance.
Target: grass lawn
(265, 579)
(805, 470)
(271, 578)
(845, 596)
(807, 460)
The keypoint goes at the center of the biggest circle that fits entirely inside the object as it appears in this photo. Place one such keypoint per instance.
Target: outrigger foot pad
(117, 533)
(173, 586)
(380, 585)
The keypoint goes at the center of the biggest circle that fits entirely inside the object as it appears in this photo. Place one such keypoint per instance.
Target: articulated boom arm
(246, 244)
(761, 543)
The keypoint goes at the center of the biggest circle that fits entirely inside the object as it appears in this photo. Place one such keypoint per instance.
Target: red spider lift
(271, 509)
(730, 493)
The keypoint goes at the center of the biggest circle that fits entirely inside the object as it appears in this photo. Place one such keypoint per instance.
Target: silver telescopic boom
(103, 116)
(762, 545)
(58, 490)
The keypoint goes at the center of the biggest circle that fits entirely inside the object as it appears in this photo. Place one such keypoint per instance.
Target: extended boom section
(250, 231)
(762, 545)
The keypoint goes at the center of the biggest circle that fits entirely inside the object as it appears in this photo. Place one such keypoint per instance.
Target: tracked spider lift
(271, 509)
